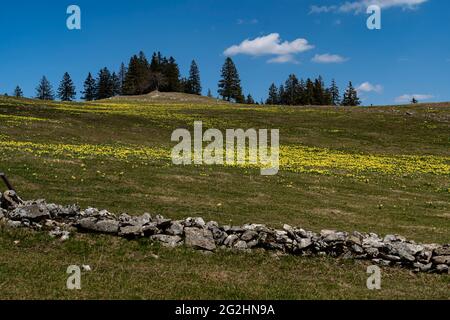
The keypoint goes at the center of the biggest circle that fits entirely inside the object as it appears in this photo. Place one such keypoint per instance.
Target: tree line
(161, 73)
(311, 92)
(139, 77)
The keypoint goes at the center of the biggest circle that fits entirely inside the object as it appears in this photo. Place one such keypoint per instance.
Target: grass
(380, 169)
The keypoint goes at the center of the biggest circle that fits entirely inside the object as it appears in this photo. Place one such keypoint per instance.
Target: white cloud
(409, 97)
(270, 45)
(244, 21)
(323, 9)
(368, 87)
(287, 58)
(361, 5)
(328, 58)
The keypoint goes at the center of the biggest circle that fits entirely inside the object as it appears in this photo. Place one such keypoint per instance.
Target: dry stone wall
(61, 221)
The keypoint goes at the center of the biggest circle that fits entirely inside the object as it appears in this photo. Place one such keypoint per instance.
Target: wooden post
(6, 181)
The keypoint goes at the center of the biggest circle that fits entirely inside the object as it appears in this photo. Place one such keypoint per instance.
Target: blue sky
(410, 55)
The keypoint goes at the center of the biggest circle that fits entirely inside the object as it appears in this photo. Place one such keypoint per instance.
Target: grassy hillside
(380, 169)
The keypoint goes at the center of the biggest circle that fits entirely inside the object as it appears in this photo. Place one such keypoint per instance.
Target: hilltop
(169, 97)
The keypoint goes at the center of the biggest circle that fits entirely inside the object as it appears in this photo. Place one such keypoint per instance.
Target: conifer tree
(281, 95)
(250, 99)
(171, 73)
(309, 92)
(44, 90)
(122, 76)
(18, 93)
(193, 82)
(351, 96)
(89, 92)
(273, 95)
(210, 94)
(291, 89)
(115, 83)
(66, 90)
(130, 85)
(319, 98)
(335, 97)
(104, 84)
(230, 85)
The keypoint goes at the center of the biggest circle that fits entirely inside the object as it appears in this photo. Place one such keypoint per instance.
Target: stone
(10, 200)
(212, 224)
(372, 242)
(86, 267)
(335, 236)
(357, 249)
(442, 251)
(131, 231)
(14, 224)
(199, 223)
(240, 245)
(405, 255)
(161, 222)
(249, 235)
(175, 229)
(125, 219)
(252, 244)
(355, 240)
(34, 212)
(423, 267)
(230, 240)
(169, 241)
(302, 233)
(393, 238)
(304, 243)
(373, 252)
(441, 260)
(236, 229)
(406, 251)
(442, 268)
(390, 257)
(150, 229)
(381, 262)
(199, 238)
(101, 226)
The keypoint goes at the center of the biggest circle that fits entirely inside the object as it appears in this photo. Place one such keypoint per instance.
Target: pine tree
(301, 93)
(250, 99)
(104, 84)
(193, 83)
(210, 94)
(89, 92)
(115, 83)
(281, 95)
(230, 85)
(351, 96)
(309, 92)
(130, 85)
(171, 73)
(66, 90)
(122, 76)
(155, 65)
(291, 88)
(319, 92)
(273, 95)
(142, 76)
(44, 90)
(335, 97)
(18, 93)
